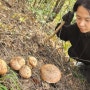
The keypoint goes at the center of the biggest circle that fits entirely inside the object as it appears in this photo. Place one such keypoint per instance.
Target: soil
(26, 38)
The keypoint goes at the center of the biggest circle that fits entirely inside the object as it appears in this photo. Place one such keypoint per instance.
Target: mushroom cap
(50, 73)
(25, 71)
(3, 67)
(17, 62)
(32, 61)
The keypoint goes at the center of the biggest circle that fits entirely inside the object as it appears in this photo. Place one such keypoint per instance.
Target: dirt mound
(22, 35)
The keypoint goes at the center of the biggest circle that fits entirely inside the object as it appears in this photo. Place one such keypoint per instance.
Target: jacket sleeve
(67, 32)
(64, 33)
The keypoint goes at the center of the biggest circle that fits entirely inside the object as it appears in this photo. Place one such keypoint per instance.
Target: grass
(10, 81)
(2, 87)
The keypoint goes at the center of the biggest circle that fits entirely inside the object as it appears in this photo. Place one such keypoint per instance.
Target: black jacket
(80, 42)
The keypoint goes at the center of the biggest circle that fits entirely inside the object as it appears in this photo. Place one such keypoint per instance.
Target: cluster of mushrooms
(49, 72)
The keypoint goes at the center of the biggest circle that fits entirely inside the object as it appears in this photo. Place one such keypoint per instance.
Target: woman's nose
(82, 23)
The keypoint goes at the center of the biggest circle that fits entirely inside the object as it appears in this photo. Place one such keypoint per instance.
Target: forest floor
(22, 35)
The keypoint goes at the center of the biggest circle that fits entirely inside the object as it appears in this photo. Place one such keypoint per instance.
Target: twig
(7, 4)
(59, 27)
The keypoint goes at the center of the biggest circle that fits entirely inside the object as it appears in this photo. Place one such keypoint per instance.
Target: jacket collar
(87, 34)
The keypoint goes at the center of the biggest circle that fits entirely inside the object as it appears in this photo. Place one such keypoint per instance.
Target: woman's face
(83, 19)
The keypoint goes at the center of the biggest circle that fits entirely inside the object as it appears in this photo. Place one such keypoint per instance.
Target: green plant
(2, 87)
(10, 80)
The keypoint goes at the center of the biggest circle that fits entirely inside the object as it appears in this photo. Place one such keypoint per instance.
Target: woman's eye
(88, 20)
(78, 18)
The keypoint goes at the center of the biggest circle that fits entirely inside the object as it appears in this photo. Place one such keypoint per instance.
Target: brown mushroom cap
(3, 67)
(17, 62)
(50, 73)
(25, 71)
(32, 61)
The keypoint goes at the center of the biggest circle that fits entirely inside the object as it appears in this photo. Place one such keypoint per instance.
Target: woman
(78, 33)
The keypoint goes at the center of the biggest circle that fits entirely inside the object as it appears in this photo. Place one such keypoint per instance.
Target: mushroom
(50, 73)
(17, 62)
(32, 61)
(3, 67)
(25, 71)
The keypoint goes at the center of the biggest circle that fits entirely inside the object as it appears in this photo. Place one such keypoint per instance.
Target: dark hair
(84, 3)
